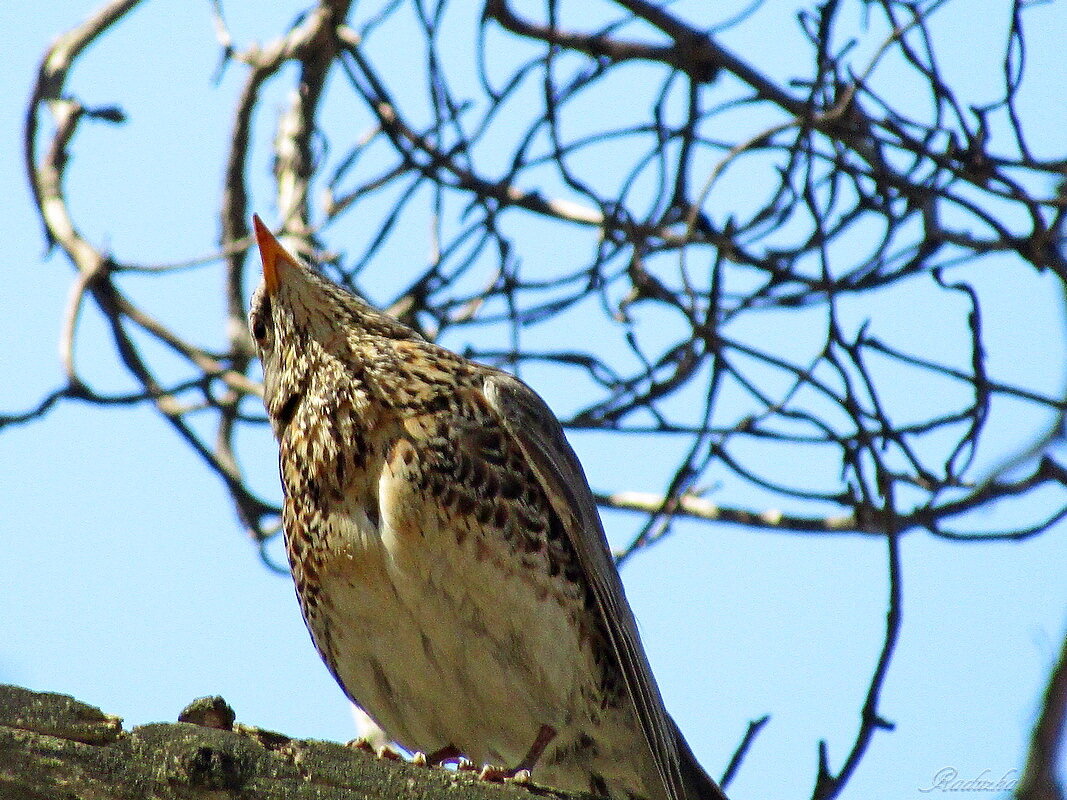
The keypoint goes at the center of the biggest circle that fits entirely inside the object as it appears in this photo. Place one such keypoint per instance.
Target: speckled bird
(447, 553)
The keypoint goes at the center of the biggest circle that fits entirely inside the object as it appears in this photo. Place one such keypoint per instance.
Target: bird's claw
(493, 774)
(520, 776)
(362, 743)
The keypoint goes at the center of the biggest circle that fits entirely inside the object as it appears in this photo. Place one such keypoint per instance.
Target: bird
(447, 553)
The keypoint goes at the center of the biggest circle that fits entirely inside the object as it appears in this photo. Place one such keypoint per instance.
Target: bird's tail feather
(698, 784)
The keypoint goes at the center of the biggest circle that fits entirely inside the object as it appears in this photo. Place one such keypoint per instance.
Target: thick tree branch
(54, 746)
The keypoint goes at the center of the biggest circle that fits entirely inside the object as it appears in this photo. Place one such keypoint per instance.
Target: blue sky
(126, 581)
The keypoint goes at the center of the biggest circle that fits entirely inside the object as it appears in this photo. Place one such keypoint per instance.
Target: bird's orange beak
(273, 255)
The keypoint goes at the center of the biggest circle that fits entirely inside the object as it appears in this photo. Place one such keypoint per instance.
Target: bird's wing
(539, 435)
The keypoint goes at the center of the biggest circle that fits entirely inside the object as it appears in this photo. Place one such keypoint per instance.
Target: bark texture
(53, 747)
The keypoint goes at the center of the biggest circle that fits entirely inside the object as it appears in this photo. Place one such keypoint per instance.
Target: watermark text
(948, 779)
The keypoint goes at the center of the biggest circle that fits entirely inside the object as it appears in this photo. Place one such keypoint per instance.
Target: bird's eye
(259, 330)
(259, 319)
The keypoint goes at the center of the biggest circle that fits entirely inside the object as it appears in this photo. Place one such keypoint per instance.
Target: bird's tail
(698, 784)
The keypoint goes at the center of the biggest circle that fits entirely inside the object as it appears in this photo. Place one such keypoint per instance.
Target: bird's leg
(545, 735)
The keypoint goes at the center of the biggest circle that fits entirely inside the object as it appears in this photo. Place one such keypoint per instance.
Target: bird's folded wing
(540, 437)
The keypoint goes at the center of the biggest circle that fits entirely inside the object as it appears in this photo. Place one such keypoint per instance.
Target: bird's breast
(430, 619)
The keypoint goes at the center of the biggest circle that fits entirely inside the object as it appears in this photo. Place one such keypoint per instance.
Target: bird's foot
(521, 776)
(521, 773)
(361, 743)
(501, 775)
(384, 752)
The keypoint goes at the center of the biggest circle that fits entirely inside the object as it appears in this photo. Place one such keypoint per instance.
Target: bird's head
(303, 324)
